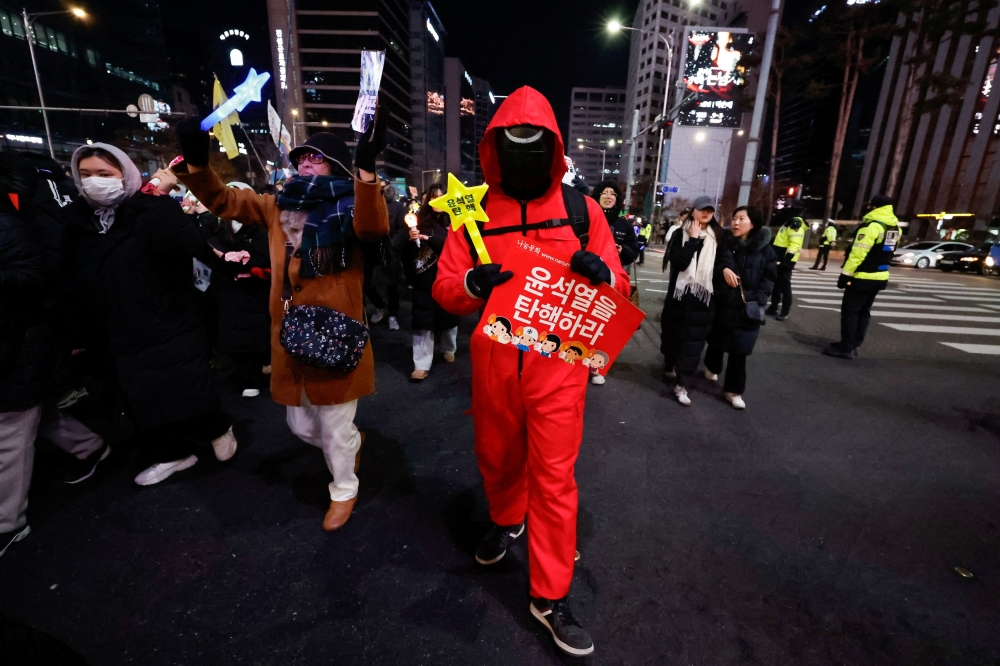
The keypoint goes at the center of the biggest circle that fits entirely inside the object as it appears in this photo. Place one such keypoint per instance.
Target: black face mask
(525, 155)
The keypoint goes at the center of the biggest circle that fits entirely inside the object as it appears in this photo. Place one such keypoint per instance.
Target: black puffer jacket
(686, 323)
(243, 290)
(130, 290)
(27, 353)
(427, 314)
(757, 267)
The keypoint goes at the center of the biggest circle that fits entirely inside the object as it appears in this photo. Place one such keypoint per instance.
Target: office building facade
(427, 101)
(316, 52)
(595, 135)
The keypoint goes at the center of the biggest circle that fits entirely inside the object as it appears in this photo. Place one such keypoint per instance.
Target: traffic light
(794, 192)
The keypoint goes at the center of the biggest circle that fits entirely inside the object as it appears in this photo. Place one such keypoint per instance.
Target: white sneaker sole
(166, 471)
(17, 537)
(576, 652)
(251, 393)
(107, 452)
(497, 559)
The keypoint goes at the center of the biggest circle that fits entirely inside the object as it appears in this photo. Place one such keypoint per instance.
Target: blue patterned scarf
(327, 233)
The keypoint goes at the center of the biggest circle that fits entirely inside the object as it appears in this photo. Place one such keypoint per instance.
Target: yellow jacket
(878, 232)
(790, 240)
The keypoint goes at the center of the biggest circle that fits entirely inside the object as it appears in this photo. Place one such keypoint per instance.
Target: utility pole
(631, 160)
(663, 115)
(753, 143)
(38, 79)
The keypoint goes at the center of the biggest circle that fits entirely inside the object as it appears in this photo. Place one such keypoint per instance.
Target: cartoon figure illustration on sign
(525, 338)
(498, 329)
(598, 360)
(571, 352)
(548, 344)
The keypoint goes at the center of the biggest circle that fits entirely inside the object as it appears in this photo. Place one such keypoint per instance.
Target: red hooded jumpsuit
(527, 409)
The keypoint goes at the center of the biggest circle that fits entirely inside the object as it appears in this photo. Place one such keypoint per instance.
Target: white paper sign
(372, 63)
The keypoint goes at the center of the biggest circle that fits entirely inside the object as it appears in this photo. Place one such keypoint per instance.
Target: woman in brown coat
(315, 212)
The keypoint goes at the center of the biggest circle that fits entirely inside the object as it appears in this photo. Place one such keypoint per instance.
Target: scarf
(326, 236)
(696, 279)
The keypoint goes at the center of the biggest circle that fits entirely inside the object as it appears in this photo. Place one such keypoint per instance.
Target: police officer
(825, 243)
(787, 245)
(644, 234)
(865, 273)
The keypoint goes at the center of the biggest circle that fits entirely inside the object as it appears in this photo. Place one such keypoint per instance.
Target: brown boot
(338, 514)
(357, 456)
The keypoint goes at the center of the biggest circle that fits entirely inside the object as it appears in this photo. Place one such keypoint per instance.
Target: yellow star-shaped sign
(465, 206)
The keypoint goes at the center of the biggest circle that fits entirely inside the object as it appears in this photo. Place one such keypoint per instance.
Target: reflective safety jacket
(871, 253)
(646, 232)
(789, 239)
(829, 236)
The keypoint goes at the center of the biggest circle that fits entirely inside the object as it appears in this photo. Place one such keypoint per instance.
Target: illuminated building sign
(21, 138)
(493, 100)
(468, 78)
(714, 69)
(468, 107)
(435, 103)
(430, 29)
(233, 33)
(279, 42)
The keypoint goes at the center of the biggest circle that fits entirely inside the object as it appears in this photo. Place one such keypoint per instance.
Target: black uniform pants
(824, 254)
(855, 315)
(176, 441)
(783, 288)
(736, 369)
(376, 298)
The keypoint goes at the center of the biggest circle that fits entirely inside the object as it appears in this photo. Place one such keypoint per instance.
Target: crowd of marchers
(140, 289)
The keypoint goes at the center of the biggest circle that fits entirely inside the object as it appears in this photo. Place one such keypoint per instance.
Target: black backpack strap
(577, 215)
(576, 211)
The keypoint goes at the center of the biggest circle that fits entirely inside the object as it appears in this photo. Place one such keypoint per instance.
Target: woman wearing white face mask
(128, 300)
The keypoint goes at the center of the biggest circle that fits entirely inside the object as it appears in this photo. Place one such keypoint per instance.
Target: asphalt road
(822, 525)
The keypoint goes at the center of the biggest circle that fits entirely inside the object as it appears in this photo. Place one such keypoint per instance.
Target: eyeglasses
(315, 158)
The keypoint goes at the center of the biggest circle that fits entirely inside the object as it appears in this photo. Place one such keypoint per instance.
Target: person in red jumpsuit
(527, 409)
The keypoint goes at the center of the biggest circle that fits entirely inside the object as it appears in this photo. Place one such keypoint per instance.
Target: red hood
(524, 106)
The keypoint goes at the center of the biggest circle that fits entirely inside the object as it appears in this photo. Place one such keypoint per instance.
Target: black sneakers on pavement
(80, 470)
(836, 351)
(566, 631)
(9, 538)
(496, 542)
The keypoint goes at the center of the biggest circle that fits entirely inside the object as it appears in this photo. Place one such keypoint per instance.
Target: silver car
(926, 253)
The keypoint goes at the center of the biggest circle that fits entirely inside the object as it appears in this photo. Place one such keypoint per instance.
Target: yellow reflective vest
(790, 240)
(874, 244)
(829, 235)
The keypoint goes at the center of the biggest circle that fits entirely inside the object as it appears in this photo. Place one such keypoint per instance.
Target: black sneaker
(781, 317)
(834, 350)
(771, 311)
(566, 631)
(856, 352)
(496, 542)
(8, 538)
(80, 470)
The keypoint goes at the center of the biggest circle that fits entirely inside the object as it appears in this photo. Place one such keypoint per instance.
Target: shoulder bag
(320, 336)
(752, 310)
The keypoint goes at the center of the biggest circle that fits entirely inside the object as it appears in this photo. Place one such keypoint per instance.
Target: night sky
(551, 45)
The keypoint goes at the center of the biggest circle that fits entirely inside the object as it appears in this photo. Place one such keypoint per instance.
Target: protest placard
(372, 63)
(548, 309)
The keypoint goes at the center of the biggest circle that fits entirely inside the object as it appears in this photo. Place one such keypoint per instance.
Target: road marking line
(916, 306)
(830, 292)
(991, 350)
(917, 315)
(951, 330)
(985, 299)
(658, 291)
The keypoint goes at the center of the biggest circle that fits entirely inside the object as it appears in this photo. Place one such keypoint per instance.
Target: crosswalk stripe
(992, 350)
(983, 299)
(950, 330)
(881, 297)
(918, 315)
(957, 289)
(915, 306)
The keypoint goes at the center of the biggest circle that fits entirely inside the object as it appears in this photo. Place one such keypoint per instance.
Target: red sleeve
(449, 286)
(602, 243)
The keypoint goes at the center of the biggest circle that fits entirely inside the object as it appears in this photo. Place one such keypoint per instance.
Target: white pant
(423, 346)
(331, 428)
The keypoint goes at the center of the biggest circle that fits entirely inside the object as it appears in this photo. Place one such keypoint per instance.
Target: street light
(601, 151)
(28, 20)
(614, 26)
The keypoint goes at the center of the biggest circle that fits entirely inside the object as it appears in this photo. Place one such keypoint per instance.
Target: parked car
(976, 260)
(927, 253)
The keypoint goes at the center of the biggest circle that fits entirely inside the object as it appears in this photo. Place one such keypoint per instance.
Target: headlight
(908, 254)
(968, 258)
(989, 261)
(940, 256)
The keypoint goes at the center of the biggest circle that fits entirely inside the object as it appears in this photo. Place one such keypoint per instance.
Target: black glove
(481, 279)
(372, 142)
(590, 266)
(788, 257)
(194, 141)
(843, 281)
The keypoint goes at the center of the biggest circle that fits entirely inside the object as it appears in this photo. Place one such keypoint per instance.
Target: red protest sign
(548, 309)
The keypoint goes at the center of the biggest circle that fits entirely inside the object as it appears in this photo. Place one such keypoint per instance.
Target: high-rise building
(316, 50)
(695, 160)
(427, 100)
(949, 161)
(485, 106)
(106, 62)
(595, 135)
(460, 121)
